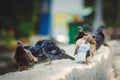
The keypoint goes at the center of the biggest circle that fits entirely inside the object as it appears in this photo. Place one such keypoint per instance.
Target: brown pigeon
(23, 57)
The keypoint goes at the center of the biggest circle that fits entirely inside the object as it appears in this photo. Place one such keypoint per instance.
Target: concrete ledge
(114, 47)
(99, 69)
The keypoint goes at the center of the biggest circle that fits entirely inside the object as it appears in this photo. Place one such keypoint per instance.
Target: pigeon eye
(80, 30)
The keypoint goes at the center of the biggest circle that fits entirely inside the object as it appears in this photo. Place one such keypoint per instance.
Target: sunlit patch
(61, 38)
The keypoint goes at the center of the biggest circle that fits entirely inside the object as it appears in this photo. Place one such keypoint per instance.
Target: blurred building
(56, 14)
(62, 12)
(98, 19)
(45, 17)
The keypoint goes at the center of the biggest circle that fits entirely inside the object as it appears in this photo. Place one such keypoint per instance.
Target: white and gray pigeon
(82, 51)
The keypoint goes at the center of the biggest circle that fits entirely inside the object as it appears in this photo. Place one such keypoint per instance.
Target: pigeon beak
(19, 43)
(35, 60)
(80, 30)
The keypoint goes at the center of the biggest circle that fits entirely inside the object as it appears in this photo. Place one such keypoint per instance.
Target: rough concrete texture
(65, 69)
(114, 46)
(115, 49)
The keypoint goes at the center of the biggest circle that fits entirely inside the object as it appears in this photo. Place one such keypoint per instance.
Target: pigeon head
(93, 35)
(80, 29)
(101, 28)
(19, 43)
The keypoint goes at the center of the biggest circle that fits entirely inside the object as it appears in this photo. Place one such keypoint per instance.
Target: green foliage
(111, 11)
(5, 37)
(24, 29)
(118, 14)
(20, 15)
(44, 61)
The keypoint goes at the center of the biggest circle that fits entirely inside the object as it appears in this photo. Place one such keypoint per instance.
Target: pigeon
(53, 52)
(82, 51)
(48, 49)
(80, 33)
(23, 57)
(99, 37)
(36, 50)
(85, 47)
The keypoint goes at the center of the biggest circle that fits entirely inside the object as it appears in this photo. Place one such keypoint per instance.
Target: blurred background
(33, 20)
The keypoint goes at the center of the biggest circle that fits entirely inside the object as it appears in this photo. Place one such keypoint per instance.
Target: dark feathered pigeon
(48, 49)
(99, 37)
(53, 52)
(36, 50)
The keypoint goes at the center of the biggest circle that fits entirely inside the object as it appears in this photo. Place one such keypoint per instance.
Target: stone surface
(115, 50)
(100, 68)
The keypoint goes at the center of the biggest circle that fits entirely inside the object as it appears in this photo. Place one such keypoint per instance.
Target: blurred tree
(118, 14)
(88, 3)
(111, 11)
(21, 15)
